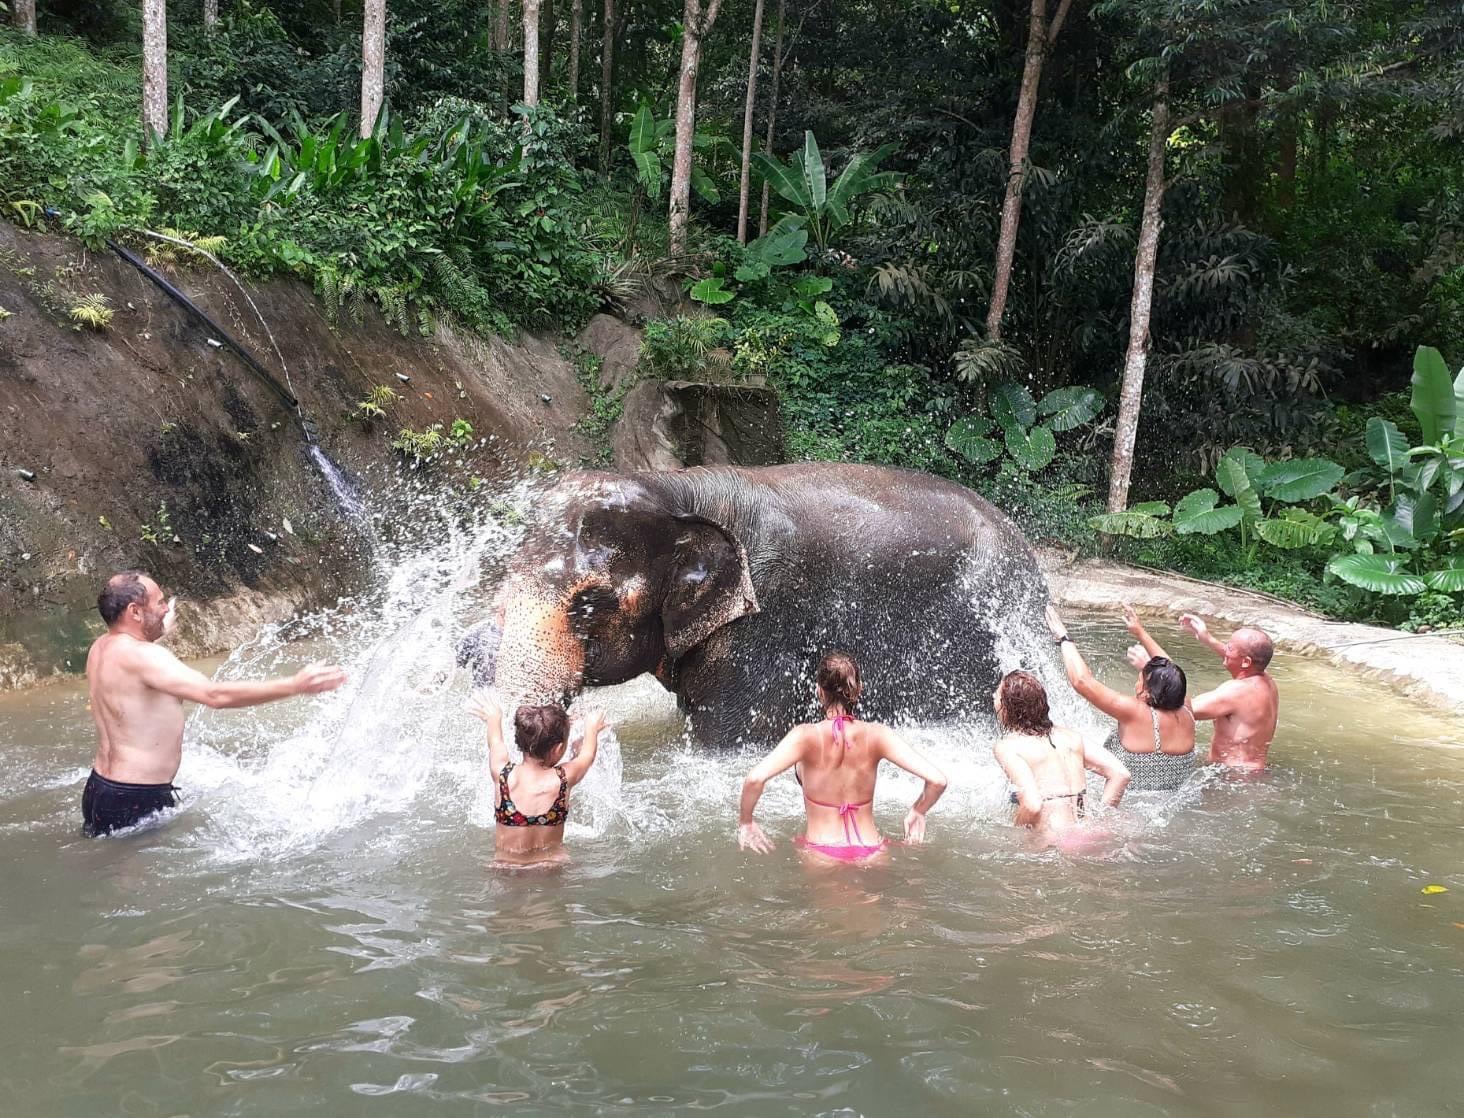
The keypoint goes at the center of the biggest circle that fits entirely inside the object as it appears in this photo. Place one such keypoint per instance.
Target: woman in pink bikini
(836, 761)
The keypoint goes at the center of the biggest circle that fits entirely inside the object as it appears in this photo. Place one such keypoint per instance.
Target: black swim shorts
(109, 805)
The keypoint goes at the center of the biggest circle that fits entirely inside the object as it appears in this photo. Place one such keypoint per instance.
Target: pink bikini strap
(840, 738)
(846, 815)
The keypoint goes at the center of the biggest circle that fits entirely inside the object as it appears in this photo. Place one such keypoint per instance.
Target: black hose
(214, 328)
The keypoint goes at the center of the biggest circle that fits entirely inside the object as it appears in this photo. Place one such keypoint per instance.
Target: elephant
(727, 583)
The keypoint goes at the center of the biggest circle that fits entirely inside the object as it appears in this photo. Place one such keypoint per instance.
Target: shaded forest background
(1309, 237)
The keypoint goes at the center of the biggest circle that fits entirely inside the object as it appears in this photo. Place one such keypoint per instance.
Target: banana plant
(1264, 504)
(820, 208)
(652, 145)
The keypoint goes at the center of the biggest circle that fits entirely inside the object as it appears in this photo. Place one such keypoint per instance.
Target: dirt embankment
(145, 444)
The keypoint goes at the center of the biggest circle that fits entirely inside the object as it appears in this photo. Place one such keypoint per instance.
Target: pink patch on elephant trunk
(540, 659)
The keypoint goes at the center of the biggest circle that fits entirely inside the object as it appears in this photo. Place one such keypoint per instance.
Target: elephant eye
(592, 602)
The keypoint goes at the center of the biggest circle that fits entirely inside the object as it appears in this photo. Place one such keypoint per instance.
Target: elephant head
(609, 582)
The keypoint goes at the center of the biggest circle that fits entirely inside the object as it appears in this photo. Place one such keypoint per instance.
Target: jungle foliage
(1313, 234)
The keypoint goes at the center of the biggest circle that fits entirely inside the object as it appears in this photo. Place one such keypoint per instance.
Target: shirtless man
(137, 690)
(1244, 708)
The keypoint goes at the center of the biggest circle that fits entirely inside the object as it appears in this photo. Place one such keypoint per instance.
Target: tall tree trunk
(607, 73)
(762, 221)
(154, 69)
(1040, 38)
(373, 63)
(695, 25)
(335, 8)
(575, 32)
(23, 15)
(505, 9)
(747, 112)
(210, 15)
(1131, 392)
(549, 25)
(531, 52)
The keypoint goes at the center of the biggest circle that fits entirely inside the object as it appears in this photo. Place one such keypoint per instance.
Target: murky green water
(318, 930)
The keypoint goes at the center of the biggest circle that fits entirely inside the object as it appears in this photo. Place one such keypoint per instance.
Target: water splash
(350, 503)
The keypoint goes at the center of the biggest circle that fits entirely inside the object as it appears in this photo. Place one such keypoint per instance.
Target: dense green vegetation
(1313, 234)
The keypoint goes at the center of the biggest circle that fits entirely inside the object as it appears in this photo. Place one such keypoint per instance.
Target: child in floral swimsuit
(532, 801)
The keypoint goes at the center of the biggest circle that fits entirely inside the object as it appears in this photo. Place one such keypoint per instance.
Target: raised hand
(1193, 625)
(1054, 622)
(1131, 620)
(594, 723)
(1138, 656)
(484, 707)
(170, 618)
(750, 837)
(315, 678)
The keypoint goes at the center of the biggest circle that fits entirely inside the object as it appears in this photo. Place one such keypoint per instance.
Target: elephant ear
(709, 585)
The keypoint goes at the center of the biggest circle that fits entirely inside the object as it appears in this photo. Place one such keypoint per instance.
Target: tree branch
(1057, 21)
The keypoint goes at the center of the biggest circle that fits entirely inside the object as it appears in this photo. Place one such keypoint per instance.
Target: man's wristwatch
(1064, 639)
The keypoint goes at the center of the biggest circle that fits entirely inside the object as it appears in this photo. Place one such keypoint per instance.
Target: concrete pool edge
(1427, 668)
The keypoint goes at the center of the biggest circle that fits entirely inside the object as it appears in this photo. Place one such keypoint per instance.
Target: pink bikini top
(846, 811)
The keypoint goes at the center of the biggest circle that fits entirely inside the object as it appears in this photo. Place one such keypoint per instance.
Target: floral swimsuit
(510, 816)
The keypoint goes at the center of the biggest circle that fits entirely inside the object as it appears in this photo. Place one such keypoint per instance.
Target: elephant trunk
(529, 653)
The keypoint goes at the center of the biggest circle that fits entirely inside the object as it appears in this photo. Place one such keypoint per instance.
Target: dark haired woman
(1156, 731)
(532, 802)
(1048, 764)
(836, 761)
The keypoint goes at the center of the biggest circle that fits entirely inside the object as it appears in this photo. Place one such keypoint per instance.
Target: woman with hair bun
(1156, 730)
(836, 761)
(1048, 764)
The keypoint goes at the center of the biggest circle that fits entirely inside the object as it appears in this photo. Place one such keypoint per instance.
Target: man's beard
(152, 626)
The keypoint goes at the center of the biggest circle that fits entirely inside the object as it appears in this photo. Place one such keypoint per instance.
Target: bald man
(137, 693)
(1245, 707)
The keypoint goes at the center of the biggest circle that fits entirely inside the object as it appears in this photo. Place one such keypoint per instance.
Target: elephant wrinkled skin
(728, 583)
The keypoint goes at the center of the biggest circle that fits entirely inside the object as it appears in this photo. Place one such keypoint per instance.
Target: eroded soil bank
(146, 444)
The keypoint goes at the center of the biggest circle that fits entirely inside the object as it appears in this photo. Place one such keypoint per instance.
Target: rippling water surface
(319, 930)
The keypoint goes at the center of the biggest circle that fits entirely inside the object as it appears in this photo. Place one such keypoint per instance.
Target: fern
(91, 311)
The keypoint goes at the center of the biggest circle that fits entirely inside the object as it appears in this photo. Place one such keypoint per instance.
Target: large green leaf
(1130, 523)
(1230, 475)
(781, 247)
(1458, 398)
(1066, 408)
(786, 180)
(1417, 514)
(1012, 405)
(1296, 528)
(815, 178)
(1386, 444)
(858, 178)
(1299, 479)
(967, 437)
(1032, 449)
(1249, 460)
(1433, 396)
(648, 167)
(642, 130)
(1196, 513)
(1150, 508)
(705, 188)
(1448, 580)
(1379, 574)
(711, 292)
